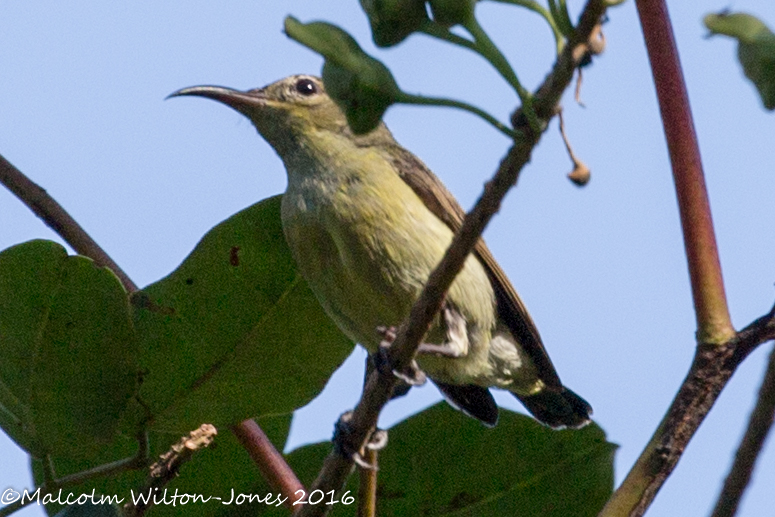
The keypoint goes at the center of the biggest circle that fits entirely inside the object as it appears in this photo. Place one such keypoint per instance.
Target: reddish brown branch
(277, 473)
(710, 303)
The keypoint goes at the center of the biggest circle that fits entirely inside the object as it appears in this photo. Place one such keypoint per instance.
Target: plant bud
(393, 20)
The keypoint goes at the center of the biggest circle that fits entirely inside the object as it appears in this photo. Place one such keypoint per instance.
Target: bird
(366, 222)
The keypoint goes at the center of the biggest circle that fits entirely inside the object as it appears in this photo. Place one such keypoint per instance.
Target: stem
(713, 321)
(560, 15)
(407, 98)
(487, 49)
(277, 473)
(750, 447)
(367, 488)
(435, 30)
(484, 46)
(57, 218)
(545, 14)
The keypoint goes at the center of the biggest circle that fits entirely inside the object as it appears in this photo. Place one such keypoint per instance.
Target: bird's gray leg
(344, 445)
(411, 375)
(457, 337)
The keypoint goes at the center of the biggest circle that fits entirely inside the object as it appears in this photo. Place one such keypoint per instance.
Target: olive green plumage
(367, 222)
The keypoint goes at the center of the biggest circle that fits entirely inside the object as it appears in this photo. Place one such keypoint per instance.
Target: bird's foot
(443, 350)
(412, 375)
(344, 445)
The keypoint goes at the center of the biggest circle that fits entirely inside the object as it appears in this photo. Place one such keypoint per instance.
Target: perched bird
(366, 222)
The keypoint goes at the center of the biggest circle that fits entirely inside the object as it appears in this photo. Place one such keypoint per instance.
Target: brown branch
(277, 473)
(711, 370)
(758, 427)
(57, 218)
(168, 466)
(710, 303)
(337, 466)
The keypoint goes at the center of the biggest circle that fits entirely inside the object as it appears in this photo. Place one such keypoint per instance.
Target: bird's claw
(412, 375)
(344, 445)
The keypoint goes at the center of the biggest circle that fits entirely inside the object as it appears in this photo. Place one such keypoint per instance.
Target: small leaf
(755, 50)
(68, 346)
(362, 86)
(452, 12)
(393, 20)
(234, 331)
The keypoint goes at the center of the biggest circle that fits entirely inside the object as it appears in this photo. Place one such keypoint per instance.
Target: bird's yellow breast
(366, 244)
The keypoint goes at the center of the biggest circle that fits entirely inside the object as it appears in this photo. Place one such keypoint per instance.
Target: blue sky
(602, 269)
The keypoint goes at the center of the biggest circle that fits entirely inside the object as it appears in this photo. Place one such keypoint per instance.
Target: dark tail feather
(558, 409)
(474, 401)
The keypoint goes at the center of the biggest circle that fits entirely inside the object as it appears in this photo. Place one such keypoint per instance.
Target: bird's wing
(510, 308)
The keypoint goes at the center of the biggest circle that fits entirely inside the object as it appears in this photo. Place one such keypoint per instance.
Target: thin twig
(56, 218)
(168, 467)
(270, 462)
(758, 427)
(379, 386)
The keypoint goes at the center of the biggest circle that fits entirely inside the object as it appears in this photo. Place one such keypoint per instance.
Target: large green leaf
(234, 331)
(68, 350)
(440, 462)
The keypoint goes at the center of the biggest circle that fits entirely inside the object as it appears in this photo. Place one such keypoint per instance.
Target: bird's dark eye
(306, 87)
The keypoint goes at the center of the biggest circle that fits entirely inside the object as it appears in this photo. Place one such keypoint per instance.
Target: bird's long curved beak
(235, 99)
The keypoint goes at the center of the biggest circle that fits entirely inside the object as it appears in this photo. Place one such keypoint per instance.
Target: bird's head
(284, 112)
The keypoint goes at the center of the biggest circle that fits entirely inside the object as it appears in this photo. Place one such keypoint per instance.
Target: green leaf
(440, 462)
(89, 510)
(68, 350)
(393, 20)
(234, 331)
(360, 84)
(755, 50)
(212, 472)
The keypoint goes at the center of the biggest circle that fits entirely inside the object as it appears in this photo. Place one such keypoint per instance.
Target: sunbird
(367, 222)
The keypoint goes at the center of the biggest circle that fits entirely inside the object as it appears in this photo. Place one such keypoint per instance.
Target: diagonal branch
(277, 473)
(337, 466)
(758, 427)
(57, 218)
(712, 368)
